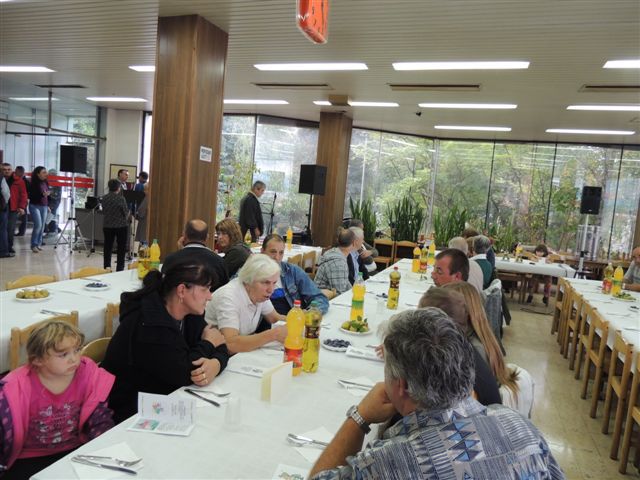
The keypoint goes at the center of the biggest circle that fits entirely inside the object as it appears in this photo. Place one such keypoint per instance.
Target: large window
(627, 203)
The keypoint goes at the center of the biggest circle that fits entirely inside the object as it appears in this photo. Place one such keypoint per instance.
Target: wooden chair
(572, 327)
(309, 263)
(520, 281)
(386, 252)
(595, 348)
(133, 265)
(295, 259)
(31, 281)
(404, 249)
(19, 336)
(555, 258)
(529, 255)
(557, 310)
(632, 418)
(112, 311)
(562, 309)
(88, 271)
(96, 349)
(618, 384)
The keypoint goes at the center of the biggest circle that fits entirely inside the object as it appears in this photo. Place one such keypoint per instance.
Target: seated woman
(230, 243)
(58, 387)
(163, 342)
(236, 308)
(541, 251)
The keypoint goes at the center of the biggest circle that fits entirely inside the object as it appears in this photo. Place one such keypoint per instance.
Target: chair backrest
(88, 271)
(96, 349)
(404, 249)
(112, 311)
(598, 333)
(19, 336)
(309, 262)
(385, 247)
(621, 351)
(295, 259)
(31, 281)
(555, 258)
(493, 306)
(523, 400)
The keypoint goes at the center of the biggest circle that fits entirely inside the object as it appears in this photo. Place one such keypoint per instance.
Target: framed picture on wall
(133, 172)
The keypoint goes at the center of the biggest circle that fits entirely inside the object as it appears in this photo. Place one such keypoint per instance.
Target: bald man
(631, 279)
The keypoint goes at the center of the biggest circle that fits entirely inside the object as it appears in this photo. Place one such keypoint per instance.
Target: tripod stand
(307, 240)
(72, 235)
(271, 214)
(581, 273)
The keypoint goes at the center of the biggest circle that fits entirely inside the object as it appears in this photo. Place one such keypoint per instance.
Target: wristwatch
(356, 417)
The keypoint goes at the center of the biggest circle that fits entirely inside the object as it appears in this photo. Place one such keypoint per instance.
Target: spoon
(301, 441)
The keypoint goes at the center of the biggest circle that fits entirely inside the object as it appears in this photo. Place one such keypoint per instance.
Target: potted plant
(448, 225)
(364, 211)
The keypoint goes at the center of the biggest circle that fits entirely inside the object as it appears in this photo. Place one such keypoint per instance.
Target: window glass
(627, 202)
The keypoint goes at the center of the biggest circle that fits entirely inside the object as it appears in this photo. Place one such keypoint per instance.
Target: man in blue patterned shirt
(444, 432)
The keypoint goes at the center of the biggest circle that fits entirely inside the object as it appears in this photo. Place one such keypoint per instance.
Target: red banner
(63, 181)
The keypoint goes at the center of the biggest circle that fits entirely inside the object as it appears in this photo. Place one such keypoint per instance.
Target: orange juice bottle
(618, 275)
(154, 255)
(294, 342)
(289, 238)
(415, 264)
(394, 289)
(431, 254)
(357, 301)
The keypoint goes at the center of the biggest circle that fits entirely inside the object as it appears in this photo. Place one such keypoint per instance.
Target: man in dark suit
(251, 213)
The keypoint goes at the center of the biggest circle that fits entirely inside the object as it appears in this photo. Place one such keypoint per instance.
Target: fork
(300, 440)
(221, 395)
(124, 463)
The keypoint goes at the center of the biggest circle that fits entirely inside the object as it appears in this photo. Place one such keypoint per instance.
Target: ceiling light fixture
(311, 67)
(497, 106)
(33, 99)
(24, 69)
(116, 99)
(622, 64)
(472, 127)
(373, 104)
(255, 102)
(322, 102)
(509, 65)
(143, 68)
(589, 132)
(606, 108)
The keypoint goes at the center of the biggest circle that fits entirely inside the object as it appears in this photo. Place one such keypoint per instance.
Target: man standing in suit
(123, 176)
(251, 213)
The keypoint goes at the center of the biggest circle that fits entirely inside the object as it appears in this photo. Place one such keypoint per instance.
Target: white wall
(123, 145)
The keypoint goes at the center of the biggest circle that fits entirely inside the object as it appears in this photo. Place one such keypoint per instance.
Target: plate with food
(32, 295)
(625, 297)
(356, 327)
(96, 286)
(336, 344)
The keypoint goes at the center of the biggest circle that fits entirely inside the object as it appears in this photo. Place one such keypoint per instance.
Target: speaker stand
(72, 235)
(580, 273)
(307, 230)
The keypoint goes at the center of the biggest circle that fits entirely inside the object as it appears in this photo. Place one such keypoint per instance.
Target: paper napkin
(120, 450)
(312, 453)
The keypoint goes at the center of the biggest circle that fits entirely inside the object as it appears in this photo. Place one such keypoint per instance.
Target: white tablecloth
(537, 268)
(255, 450)
(65, 296)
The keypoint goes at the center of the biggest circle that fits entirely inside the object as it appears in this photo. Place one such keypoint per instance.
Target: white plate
(349, 332)
(105, 286)
(32, 300)
(334, 349)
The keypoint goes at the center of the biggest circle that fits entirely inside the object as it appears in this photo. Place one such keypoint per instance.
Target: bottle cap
(296, 303)
(395, 268)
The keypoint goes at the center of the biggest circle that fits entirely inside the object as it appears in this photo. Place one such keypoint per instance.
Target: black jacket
(149, 353)
(202, 254)
(250, 214)
(235, 257)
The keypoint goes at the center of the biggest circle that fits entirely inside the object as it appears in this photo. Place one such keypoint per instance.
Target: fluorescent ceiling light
(143, 68)
(606, 108)
(298, 67)
(373, 104)
(33, 99)
(256, 102)
(498, 106)
(589, 132)
(622, 64)
(322, 102)
(511, 65)
(472, 127)
(24, 69)
(116, 99)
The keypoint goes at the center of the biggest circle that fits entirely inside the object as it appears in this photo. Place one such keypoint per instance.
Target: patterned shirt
(116, 211)
(466, 442)
(333, 271)
(633, 274)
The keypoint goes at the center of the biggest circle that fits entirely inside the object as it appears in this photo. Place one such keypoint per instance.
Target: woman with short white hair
(236, 308)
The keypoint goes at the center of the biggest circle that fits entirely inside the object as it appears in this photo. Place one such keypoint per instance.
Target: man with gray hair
(250, 217)
(475, 272)
(481, 245)
(355, 263)
(444, 432)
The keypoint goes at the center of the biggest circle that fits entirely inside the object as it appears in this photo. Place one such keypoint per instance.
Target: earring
(180, 299)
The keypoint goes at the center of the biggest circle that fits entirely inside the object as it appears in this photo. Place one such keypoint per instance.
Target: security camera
(418, 114)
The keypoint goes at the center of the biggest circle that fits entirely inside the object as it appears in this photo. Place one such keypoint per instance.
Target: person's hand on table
(380, 351)
(206, 371)
(213, 335)
(376, 407)
(365, 254)
(279, 333)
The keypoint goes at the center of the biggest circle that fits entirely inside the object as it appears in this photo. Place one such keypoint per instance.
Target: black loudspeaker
(73, 159)
(313, 179)
(590, 202)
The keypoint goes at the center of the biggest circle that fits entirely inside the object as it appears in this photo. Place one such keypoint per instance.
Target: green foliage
(448, 225)
(365, 213)
(504, 236)
(406, 219)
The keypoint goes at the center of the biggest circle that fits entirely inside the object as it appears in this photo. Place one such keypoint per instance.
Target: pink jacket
(16, 389)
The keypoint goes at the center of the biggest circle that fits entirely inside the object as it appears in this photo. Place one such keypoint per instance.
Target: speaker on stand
(313, 180)
(589, 205)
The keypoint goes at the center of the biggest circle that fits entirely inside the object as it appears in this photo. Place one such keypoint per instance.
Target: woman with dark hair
(163, 342)
(38, 206)
(114, 225)
(229, 242)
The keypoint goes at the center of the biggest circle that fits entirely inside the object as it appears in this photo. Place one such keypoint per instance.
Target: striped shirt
(469, 441)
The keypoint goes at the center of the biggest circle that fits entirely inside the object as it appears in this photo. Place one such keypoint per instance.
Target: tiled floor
(559, 412)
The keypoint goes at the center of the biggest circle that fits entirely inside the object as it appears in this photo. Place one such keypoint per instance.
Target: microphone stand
(271, 213)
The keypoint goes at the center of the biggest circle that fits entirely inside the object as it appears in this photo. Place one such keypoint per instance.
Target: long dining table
(315, 403)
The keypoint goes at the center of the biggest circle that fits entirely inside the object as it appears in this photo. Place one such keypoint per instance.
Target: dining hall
(319, 239)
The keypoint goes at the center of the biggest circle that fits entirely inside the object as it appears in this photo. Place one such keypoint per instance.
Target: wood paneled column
(187, 115)
(334, 139)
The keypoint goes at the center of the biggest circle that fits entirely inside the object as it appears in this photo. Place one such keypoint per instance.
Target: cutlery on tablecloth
(221, 395)
(122, 463)
(106, 466)
(354, 384)
(632, 329)
(204, 399)
(340, 305)
(301, 441)
(52, 312)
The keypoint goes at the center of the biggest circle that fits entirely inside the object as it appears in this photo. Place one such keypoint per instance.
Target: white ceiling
(91, 42)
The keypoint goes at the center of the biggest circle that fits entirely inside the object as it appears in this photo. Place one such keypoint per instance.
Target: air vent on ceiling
(61, 86)
(434, 87)
(610, 88)
(294, 86)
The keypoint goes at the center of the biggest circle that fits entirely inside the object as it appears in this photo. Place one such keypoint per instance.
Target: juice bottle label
(294, 355)
(312, 332)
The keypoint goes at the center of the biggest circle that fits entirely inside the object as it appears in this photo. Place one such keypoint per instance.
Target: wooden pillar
(334, 139)
(187, 115)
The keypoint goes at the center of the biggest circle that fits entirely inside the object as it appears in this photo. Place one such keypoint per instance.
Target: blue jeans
(38, 216)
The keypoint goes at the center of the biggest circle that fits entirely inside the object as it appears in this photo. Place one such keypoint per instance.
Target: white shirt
(231, 307)
(476, 278)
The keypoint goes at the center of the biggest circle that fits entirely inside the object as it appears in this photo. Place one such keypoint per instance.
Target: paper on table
(120, 450)
(250, 370)
(356, 390)
(291, 473)
(165, 414)
(276, 382)
(366, 353)
(312, 453)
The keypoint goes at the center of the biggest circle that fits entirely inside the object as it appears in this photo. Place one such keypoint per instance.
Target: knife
(208, 400)
(106, 466)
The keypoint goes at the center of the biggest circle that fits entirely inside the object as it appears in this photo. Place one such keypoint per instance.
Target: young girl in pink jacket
(53, 404)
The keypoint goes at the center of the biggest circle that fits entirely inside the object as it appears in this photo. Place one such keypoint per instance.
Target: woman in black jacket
(38, 206)
(163, 342)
